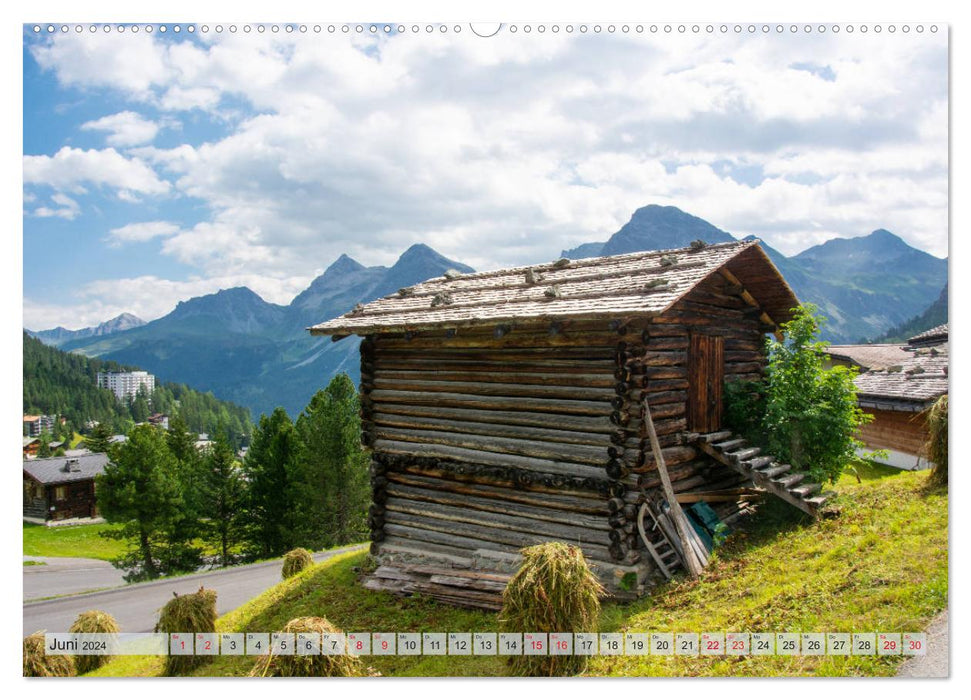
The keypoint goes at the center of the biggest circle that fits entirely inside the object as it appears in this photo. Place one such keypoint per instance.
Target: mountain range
(260, 355)
(60, 335)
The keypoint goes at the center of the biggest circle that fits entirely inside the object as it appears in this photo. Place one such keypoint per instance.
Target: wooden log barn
(513, 407)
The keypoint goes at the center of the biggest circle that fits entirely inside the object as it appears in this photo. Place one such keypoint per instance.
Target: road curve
(136, 607)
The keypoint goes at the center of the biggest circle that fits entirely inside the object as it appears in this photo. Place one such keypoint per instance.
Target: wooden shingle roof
(935, 335)
(915, 382)
(872, 356)
(635, 284)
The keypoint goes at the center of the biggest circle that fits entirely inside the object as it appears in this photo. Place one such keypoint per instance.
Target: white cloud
(71, 168)
(125, 128)
(506, 150)
(141, 232)
(66, 208)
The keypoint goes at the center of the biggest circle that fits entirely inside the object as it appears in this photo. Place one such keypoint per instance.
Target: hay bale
(318, 666)
(188, 614)
(93, 622)
(295, 561)
(936, 447)
(37, 664)
(553, 591)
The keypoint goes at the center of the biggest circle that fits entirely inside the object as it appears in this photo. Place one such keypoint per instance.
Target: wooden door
(706, 377)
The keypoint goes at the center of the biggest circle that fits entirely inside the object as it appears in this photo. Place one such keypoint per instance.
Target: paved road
(135, 607)
(66, 575)
(935, 663)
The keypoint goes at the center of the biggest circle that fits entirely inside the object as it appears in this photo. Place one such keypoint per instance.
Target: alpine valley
(260, 355)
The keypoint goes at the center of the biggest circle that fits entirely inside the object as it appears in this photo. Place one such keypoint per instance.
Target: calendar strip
(692, 644)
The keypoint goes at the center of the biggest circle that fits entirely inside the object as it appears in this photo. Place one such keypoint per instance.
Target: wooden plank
(503, 403)
(580, 423)
(582, 454)
(500, 389)
(499, 430)
(490, 458)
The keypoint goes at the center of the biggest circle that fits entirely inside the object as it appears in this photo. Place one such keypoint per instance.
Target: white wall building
(125, 385)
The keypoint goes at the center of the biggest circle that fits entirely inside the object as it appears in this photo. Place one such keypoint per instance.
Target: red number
(208, 645)
(360, 645)
(712, 645)
(737, 644)
(384, 645)
(915, 644)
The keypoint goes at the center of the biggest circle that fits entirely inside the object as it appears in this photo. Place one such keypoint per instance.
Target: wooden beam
(691, 558)
(750, 300)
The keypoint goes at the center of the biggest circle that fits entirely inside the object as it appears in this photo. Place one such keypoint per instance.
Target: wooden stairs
(765, 471)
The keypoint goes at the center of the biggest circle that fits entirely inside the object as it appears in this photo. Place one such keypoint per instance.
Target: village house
(35, 425)
(897, 384)
(508, 408)
(58, 488)
(31, 446)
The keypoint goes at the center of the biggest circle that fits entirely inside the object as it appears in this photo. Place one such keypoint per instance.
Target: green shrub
(188, 614)
(936, 446)
(319, 665)
(803, 414)
(295, 561)
(553, 591)
(38, 664)
(93, 622)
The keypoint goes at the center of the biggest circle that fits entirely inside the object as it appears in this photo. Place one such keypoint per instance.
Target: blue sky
(160, 167)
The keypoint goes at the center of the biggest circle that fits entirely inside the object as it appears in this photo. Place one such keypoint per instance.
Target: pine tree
(268, 509)
(223, 491)
(139, 488)
(44, 450)
(332, 491)
(100, 438)
(189, 473)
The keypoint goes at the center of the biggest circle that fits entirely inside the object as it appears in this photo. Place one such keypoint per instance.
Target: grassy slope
(880, 566)
(71, 541)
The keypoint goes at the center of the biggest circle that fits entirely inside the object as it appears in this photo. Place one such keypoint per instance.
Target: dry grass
(295, 561)
(319, 666)
(936, 446)
(189, 614)
(93, 622)
(38, 664)
(553, 591)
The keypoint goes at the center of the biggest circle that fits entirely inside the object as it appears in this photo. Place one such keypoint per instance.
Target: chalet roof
(644, 283)
(917, 381)
(874, 356)
(60, 470)
(935, 335)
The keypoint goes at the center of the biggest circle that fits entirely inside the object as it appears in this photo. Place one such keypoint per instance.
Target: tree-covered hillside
(65, 384)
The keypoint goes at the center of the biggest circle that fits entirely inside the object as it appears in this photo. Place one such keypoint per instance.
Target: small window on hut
(60, 493)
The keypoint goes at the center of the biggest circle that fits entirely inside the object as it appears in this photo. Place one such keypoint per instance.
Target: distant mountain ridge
(934, 315)
(60, 335)
(260, 355)
(862, 285)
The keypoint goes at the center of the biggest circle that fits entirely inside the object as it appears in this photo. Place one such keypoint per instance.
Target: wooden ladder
(663, 550)
(765, 471)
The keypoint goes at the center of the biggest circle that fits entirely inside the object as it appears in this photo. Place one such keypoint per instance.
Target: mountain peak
(344, 265)
(421, 255)
(657, 227)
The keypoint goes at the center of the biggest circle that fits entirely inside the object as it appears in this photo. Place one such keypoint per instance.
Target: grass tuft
(37, 664)
(93, 622)
(189, 614)
(295, 561)
(319, 666)
(553, 591)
